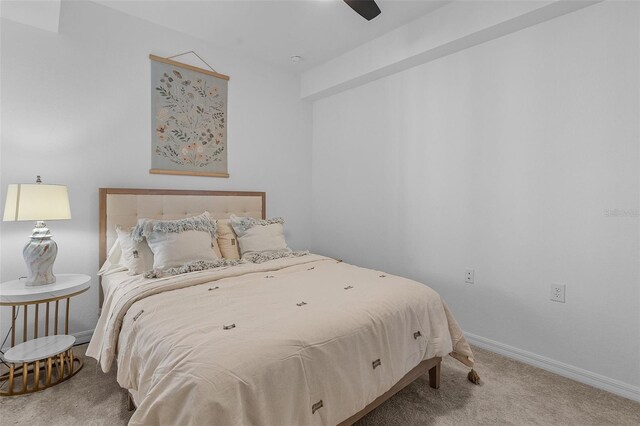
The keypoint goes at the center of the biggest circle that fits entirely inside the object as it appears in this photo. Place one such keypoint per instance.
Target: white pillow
(121, 256)
(171, 249)
(136, 255)
(178, 242)
(259, 236)
(112, 264)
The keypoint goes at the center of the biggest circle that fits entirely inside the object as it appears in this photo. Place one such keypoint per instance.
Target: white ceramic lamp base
(39, 255)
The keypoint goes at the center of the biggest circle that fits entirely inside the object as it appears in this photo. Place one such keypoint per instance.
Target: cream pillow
(263, 238)
(216, 248)
(259, 236)
(179, 242)
(136, 255)
(171, 249)
(226, 239)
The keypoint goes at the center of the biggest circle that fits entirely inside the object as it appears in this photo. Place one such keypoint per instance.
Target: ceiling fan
(368, 9)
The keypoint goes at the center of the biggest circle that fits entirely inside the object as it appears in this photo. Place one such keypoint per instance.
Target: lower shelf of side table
(39, 364)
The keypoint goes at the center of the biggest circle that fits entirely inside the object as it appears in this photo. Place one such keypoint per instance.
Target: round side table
(50, 354)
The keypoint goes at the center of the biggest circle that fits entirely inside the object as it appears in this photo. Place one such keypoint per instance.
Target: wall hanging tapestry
(188, 119)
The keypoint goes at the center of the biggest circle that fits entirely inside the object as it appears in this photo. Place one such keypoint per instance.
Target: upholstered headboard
(124, 206)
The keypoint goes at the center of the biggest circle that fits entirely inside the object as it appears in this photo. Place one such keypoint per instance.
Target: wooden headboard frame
(163, 193)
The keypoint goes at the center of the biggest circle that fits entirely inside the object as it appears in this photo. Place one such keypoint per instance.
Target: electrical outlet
(557, 292)
(468, 275)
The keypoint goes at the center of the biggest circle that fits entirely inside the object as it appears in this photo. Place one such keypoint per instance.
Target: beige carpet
(511, 394)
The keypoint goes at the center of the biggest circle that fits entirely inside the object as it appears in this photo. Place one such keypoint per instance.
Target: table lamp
(39, 202)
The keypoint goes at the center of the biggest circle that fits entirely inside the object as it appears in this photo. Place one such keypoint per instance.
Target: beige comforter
(264, 344)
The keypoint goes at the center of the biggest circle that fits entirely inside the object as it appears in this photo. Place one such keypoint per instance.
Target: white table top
(40, 348)
(17, 292)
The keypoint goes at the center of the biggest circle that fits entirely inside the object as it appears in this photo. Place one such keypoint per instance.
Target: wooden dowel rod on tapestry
(187, 173)
(188, 67)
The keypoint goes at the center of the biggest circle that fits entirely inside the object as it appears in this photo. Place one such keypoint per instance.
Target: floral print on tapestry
(189, 120)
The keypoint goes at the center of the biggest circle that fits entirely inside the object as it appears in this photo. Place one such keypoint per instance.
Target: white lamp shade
(28, 201)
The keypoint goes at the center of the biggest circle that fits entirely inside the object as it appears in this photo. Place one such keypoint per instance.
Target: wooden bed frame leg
(130, 405)
(434, 376)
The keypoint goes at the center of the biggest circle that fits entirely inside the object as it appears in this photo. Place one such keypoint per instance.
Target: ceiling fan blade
(368, 9)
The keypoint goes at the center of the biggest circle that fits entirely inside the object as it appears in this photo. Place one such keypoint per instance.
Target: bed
(297, 340)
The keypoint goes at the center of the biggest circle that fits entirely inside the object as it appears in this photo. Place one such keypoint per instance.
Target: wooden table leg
(11, 373)
(13, 326)
(434, 376)
(71, 361)
(61, 371)
(49, 371)
(66, 319)
(55, 318)
(36, 376)
(130, 404)
(24, 326)
(46, 321)
(25, 376)
(35, 324)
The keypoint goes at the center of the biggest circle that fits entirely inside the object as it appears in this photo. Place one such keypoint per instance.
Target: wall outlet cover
(469, 275)
(557, 292)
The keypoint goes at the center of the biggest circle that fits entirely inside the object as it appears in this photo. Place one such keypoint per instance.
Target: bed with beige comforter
(264, 343)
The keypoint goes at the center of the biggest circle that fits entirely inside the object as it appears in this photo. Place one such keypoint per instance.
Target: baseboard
(575, 373)
(83, 337)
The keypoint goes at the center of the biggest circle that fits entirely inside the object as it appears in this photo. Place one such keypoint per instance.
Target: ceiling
(274, 30)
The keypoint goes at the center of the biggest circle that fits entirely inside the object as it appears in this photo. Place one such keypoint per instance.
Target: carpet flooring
(511, 393)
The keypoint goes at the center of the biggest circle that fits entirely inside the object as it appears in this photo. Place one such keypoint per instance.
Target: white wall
(43, 14)
(456, 26)
(76, 110)
(503, 158)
